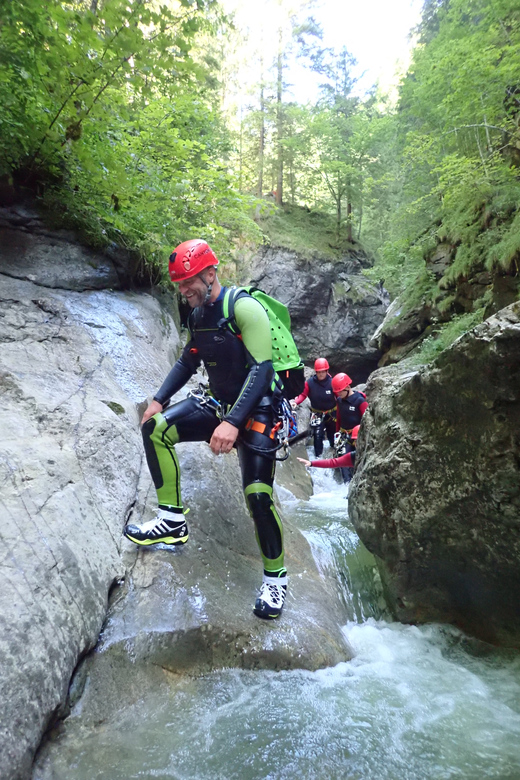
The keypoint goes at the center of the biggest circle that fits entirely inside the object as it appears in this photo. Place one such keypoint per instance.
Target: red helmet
(354, 432)
(321, 364)
(340, 382)
(189, 259)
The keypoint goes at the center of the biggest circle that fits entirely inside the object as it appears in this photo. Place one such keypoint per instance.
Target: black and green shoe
(166, 527)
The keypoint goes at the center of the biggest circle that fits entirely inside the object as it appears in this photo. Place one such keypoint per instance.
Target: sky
(375, 32)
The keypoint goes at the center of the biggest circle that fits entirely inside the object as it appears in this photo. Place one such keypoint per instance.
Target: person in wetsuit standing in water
(351, 405)
(240, 411)
(318, 388)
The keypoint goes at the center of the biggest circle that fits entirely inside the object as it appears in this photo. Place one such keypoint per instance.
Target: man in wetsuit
(351, 405)
(239, 412)
(318, 389)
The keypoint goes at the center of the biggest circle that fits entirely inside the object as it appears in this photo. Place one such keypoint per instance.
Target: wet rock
(69, 467)
(334, 312)
(76, 369)
(436, 493)
(55, 258)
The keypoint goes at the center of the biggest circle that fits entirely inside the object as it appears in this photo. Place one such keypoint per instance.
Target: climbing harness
(279, 433)
(340, 443)
(204, 397)
(316, 419)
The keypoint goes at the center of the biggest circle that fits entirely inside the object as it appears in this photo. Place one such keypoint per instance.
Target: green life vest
(285, 351)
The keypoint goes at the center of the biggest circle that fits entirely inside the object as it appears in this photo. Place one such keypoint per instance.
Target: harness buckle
(204, 397)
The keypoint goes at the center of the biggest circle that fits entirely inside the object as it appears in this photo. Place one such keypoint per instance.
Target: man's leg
(318, 440)
(257, 480)
(184, 421)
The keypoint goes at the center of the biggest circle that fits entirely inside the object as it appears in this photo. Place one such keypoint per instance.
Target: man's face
(321, 375)
(194, 290)
(343, 393)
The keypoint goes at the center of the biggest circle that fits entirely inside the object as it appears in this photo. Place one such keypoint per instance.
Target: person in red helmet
(318, 389)
(351, 405)
(347, 460)
(238, 411)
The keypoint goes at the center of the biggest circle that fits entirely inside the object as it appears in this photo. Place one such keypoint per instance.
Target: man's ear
(209, 275)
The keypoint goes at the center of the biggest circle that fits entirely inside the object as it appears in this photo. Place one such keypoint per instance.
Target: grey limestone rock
(76, 370)
(436, 493)
(334, 308)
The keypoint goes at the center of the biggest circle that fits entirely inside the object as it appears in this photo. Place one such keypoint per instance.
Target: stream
(415, 703)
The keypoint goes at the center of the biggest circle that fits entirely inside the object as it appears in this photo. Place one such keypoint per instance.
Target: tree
(110, 107)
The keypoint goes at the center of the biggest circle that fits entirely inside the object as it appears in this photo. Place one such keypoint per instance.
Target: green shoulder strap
(228, 307)
(285, 351)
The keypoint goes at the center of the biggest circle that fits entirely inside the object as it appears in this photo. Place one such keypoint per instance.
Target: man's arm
(344, 461)
(303, 395)
(183, 369)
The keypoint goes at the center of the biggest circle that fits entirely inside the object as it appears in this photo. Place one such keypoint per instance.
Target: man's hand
(293, 403)
(305, 462)
(154, 408)
(223, 438)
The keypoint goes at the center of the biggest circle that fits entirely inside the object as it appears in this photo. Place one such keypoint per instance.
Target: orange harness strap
(254, 425)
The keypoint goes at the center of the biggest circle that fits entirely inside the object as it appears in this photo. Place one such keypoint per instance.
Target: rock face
(72, 368)
(404, 326)
(436, 493)
(334, 308)
(53, 257)
(75, 371)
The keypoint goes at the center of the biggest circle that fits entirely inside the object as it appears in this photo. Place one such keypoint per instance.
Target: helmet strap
(209, 285)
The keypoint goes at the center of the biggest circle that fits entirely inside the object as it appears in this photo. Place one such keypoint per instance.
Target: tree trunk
(349, 219)
(261, 142)
(279, 120)
(240, 150)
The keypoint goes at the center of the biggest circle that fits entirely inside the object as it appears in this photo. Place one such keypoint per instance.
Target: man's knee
(259, 504)
(148, 428)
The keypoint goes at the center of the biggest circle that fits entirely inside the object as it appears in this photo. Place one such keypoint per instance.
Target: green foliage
(111, 112)
(506, 253)
(437, 342)
(310, 233)
(457, 130)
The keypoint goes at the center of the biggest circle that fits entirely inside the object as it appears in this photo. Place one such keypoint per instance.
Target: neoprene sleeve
(347, 460)
(182, 370)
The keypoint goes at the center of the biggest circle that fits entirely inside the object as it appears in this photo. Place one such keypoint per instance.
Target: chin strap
(209, 285)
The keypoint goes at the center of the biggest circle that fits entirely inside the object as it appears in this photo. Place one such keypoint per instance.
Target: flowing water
(424, 703)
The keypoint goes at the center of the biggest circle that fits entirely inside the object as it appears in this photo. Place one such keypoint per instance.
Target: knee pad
(148, 428)
(151, 455)
(259, 504)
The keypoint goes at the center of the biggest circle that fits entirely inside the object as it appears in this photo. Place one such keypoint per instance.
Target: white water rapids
(415, 703)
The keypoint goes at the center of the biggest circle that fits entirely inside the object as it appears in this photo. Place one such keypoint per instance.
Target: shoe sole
(267, 616)
(172, 540)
